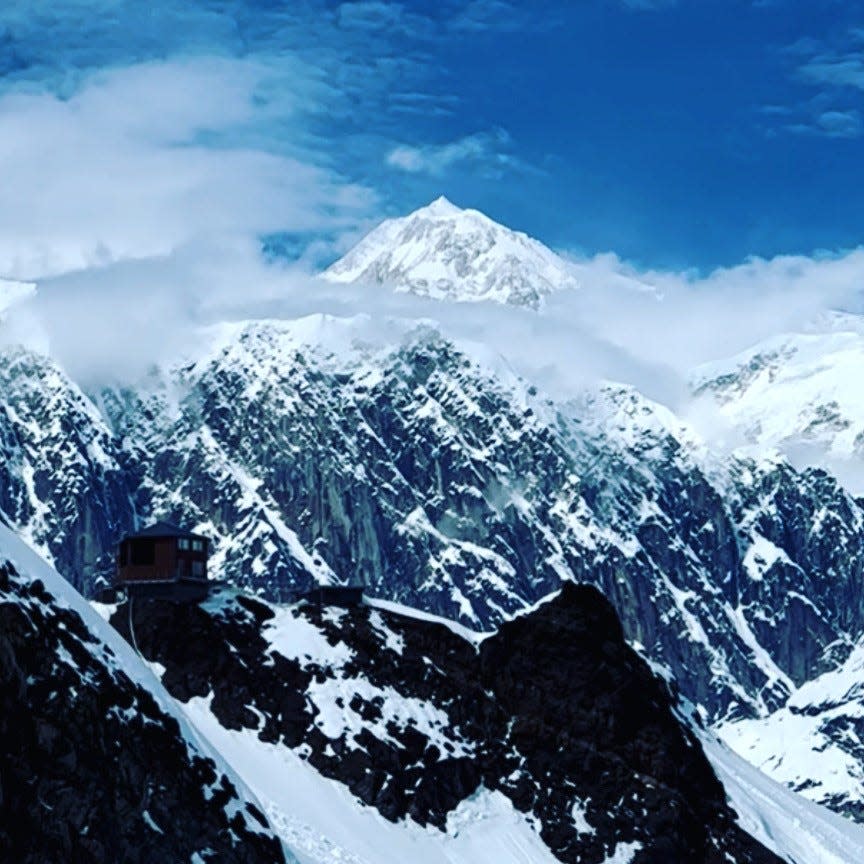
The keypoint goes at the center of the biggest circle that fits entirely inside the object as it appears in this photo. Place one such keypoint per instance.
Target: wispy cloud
(648, 5)
(839, 64)
(379, 16)
(832, 124)
(488, 152)
(834, 73)
(478, 16)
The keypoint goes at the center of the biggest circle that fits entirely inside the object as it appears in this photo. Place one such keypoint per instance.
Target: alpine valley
(590, 635)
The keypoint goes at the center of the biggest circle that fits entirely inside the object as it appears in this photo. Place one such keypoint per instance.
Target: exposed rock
(92, 768)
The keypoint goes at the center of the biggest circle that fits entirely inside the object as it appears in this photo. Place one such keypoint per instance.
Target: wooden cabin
(163, 560)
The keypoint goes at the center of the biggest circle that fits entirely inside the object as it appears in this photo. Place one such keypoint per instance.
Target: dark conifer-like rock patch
(92, 769)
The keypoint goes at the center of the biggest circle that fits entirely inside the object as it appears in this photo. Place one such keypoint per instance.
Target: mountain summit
(444, 252)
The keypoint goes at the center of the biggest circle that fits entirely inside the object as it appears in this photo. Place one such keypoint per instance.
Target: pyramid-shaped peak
(447, 253)
(440, 208)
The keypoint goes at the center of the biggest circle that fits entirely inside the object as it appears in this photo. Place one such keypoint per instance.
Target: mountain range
(421, 466)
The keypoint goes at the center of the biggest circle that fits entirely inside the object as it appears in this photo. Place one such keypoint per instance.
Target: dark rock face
(443, 484)
(91, 768)
(555, 711)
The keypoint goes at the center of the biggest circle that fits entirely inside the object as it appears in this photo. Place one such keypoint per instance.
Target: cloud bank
(143, 160)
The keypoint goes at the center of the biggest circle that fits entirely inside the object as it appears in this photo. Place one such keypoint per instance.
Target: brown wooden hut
(162, 555)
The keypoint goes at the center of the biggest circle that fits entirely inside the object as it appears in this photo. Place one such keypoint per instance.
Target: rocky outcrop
(554, 711)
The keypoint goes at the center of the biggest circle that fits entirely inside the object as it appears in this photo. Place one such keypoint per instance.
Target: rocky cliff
(554, 711)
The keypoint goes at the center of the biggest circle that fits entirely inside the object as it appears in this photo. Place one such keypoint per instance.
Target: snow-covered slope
(800, 392)
(98, 763)
(63, 482)
(796, 829)
(445, 252)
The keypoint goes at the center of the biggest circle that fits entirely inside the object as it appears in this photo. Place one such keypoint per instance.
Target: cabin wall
(170, 562)
(163, 567)
(185, 564)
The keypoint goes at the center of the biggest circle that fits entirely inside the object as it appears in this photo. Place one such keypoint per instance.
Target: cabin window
(183, 544)
(197, 545)
(198, 569)
(142, 553)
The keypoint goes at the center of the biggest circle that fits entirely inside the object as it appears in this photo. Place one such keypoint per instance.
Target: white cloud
(142, 160)
(645, 328)
(836, 70)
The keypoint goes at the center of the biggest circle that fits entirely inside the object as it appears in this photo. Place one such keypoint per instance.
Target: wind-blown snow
(12, 292)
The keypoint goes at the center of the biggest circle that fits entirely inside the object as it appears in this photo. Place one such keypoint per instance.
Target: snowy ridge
(446, 253)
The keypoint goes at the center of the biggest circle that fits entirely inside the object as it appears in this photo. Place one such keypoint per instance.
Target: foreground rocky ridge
(93, 768)
(554, 711)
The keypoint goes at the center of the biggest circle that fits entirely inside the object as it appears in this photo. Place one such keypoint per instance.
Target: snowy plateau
(462, 495)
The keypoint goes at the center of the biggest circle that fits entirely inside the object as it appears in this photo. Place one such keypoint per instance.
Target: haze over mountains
(394, 451)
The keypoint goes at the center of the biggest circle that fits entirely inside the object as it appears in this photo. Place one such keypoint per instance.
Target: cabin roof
(162, 529)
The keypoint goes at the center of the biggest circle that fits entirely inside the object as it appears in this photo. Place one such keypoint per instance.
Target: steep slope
(97, 763)
(796, 829)
(444, 252)
(63, 484)
(553, 717)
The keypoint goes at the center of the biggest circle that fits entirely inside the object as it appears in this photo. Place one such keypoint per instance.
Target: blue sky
(689, 134)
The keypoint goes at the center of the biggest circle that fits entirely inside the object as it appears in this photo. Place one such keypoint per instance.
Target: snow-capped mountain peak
(442, 208)
(445, 252)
